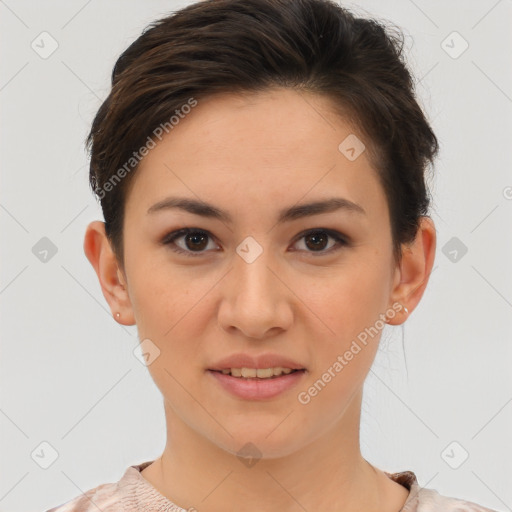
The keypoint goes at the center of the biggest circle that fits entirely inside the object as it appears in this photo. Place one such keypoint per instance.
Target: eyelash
(171, 237)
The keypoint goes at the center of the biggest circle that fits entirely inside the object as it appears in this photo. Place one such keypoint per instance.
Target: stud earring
(118, 315)
(406, 310)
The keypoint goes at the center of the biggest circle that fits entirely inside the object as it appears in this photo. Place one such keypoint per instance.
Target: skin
(252, 156)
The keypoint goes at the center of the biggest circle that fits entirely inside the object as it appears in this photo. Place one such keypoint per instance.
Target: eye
(195, 241)
(317, 239)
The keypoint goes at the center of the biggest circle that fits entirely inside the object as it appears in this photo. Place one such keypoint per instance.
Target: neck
(328, 473)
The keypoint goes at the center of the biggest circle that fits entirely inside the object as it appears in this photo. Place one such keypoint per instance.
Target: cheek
(168, 317)
(332, 390)
(172, 309)
(160, 294)
(350, 299)
(349, 304)
(167, 314)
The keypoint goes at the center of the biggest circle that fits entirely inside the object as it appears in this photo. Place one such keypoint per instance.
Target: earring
(406, 310)
(118, 315)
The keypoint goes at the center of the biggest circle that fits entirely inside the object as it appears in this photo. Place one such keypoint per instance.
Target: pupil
(196, 238)
(316, 236)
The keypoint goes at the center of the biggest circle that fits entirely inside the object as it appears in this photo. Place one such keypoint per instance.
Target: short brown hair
(223, 46)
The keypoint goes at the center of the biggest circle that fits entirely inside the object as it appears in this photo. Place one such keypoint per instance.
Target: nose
(255, 300)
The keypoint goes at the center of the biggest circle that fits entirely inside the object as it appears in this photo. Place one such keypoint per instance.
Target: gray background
(68, 373)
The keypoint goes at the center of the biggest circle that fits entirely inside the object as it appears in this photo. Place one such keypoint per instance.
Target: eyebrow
(288, 214)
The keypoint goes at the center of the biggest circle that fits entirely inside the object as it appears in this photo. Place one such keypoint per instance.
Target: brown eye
(317, 241)
(195, 241)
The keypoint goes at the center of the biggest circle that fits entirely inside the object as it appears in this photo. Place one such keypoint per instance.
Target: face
(256, 281)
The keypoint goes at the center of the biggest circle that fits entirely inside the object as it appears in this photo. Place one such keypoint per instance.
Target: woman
(260, 166)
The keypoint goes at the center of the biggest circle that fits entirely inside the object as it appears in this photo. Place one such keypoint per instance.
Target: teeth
(263, 373)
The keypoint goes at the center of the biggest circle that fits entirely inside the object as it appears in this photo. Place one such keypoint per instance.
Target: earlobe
(412, 277)
(99, 252)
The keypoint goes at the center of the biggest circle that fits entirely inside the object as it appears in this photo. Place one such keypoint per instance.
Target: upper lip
(261, 361)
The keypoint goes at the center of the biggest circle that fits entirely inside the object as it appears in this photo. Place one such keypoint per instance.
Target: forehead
(276, 145)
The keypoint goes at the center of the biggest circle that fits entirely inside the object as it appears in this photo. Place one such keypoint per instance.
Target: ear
(113, 282)
(411, 277)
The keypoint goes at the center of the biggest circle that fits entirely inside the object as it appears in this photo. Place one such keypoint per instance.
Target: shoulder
(104, 497)
(429, 500)
(107, 497)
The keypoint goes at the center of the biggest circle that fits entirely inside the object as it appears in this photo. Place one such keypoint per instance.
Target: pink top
(133, 493)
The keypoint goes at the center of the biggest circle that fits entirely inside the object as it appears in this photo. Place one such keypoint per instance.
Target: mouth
(257, 384)
(258, 373)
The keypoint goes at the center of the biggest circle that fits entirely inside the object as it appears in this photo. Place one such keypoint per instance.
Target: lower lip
(258, 389)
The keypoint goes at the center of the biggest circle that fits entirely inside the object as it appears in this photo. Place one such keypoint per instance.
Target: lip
(257, 389)
(262, 361)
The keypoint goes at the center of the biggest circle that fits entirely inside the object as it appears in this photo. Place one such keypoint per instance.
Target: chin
(259, 442)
